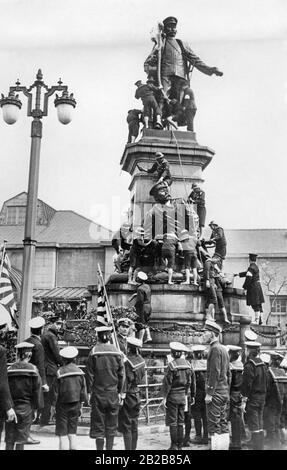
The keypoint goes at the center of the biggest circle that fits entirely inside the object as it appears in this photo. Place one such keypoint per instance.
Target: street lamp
(11, 106)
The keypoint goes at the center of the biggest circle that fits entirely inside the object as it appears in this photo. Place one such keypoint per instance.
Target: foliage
(61, 308)
(84, 331)
(9, 342)
(123, 312)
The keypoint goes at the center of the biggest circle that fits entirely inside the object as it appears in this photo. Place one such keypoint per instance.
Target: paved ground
(154, 437)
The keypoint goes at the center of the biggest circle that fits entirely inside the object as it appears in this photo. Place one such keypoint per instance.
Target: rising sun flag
(7, 298)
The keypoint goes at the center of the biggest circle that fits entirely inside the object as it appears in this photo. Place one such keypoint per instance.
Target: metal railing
(151, 406)
(152, 409)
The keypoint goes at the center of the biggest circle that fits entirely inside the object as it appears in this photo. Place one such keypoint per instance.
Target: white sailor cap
(142, 276)
(265, 358)
(232, 347)
(69, 352)
(134, 341)
(24, 345)
(101, 329)
(125, 321)
(176, 346)
(198, 348)
(252, 344)
(250, 335)
(37, 322)
(275, 354)
(212, 326)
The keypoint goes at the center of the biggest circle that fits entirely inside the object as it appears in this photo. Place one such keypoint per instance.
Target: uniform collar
(215, 340)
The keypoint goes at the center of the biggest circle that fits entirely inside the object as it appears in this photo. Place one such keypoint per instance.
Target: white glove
(208, 398)
(11, 415)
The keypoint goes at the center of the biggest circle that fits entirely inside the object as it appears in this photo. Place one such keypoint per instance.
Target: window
(279, 306)
(16, 215)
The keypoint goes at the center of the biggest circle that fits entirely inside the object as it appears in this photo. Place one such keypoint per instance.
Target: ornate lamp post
(11, 106)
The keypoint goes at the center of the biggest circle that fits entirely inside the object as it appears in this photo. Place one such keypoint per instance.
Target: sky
(98, 48)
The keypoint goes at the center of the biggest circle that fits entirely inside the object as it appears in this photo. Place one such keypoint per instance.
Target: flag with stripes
(6, 291)
(102, 313)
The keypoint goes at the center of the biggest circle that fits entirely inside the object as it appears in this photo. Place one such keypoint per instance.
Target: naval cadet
(38, 354)
(26, 391)
(105, 385)
(253, 390)
(129, 412)
(68, 395)
(276, 390)
(190, 402)
(124, 325)
(235, 404)
(6, 403)
(217, 239)
(175, 389)
(53, 361)
(252, 285)
(198, 410)
(217, 387)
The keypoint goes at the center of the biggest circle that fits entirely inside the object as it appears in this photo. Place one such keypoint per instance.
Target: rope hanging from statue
(180, 162)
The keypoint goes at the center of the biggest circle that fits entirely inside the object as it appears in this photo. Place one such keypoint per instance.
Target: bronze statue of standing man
(175, 59)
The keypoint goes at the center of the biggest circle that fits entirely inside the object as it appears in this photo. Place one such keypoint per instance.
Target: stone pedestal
(187, 161)
(178, 311)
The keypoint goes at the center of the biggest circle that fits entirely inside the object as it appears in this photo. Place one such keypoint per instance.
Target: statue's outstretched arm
(198, 63)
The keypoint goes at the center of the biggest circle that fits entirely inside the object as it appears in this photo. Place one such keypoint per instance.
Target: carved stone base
(178, 314)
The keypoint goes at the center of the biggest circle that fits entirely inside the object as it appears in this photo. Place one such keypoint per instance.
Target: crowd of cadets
(209, 383)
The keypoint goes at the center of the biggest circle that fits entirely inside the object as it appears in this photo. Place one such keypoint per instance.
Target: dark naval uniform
(162, 169)
(198, 197)
(147, 94)
(253, 287)
(53, 361)
(235, 411)
(218, 236)
(190, 399)
(254, 387)
(209, 274)
(105, 380)
(176, 388)
(198, 410)
(217, 385)
(122, 340)
(6, 402)
(143, 305)
(133, 120)
(69, 391)
(38, 356)
(276, 391)
(129, 412)
(26, 391)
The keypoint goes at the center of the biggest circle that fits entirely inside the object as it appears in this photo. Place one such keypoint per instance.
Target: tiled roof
(61, 293)
(69, 227)
(65, 227)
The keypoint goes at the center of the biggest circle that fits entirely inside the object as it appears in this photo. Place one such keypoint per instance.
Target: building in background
(69, 248)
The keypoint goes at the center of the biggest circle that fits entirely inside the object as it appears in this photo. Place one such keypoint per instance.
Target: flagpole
(109, 308)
